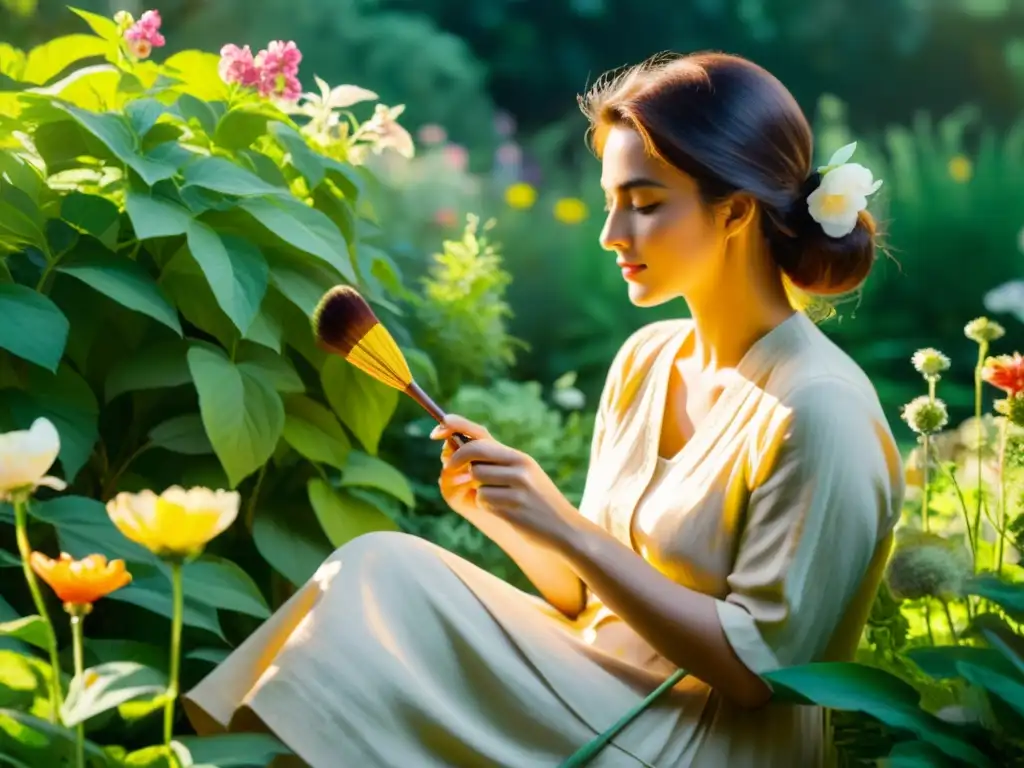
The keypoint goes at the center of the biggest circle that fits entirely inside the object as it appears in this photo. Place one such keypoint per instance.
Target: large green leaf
(125, 281)
(222, 584)
(20, 226)
(155, 216)
(67, 401)
(33, 327)
(1008, 596)
(243, 415)
(362, 470)
(942, 662)
(242, 125)
(101, 25)
(109, 686)
(143, 114)
(84, 528)
(182, 434)
(155, 366)
(275, 368)
(306, 161)
(235, 269)
(304, 228)
(116, 134)
(232, 750)
(152, 591)
(198, 72)
(994, 679)
(34, 742)
(184, 281)
(312, 430)
(21, 173)
(916, 754)
(288, 536)
(30, 629)
(92, 214)
(48, 60)
(228, 178)
(364, 404)
(302, 281)
(860, 688)
(344, 517)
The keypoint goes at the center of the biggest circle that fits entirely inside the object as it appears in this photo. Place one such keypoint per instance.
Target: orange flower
(1005, 372)
(80, 582)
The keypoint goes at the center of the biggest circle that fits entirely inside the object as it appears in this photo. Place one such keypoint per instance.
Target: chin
(643, 296)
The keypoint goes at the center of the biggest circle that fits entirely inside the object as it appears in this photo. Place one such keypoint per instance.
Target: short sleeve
(828, 486)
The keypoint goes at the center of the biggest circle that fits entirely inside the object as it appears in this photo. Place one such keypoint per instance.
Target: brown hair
(732, 126)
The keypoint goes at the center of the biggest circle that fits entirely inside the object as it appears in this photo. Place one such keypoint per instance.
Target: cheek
(680, 232)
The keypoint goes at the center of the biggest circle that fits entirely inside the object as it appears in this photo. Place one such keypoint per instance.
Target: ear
(736, 213)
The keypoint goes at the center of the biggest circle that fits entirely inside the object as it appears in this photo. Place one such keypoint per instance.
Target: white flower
(842, 193)
(385, 132)
(26, 456)
(1008, 298)
(569, 398)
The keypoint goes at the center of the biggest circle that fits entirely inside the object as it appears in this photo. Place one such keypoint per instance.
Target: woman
(738, 510)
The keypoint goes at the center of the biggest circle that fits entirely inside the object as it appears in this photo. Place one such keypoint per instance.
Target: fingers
(487, 451)
(454, 423)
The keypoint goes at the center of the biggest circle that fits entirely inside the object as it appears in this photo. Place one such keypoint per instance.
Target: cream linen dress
(398, 653)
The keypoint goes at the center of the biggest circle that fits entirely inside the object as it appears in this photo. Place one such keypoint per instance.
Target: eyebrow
(638, 183)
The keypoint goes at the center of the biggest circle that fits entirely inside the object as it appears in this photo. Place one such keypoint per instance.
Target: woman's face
(667, 242)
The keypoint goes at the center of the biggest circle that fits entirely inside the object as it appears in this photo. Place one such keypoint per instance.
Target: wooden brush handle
(415, 391)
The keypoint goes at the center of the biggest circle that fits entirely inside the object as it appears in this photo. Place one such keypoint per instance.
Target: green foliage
(163, 241)
(461, 315)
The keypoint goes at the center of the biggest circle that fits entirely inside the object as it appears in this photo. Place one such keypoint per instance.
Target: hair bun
(814, 261)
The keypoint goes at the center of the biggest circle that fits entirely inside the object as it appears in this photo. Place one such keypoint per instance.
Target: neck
(728, 323)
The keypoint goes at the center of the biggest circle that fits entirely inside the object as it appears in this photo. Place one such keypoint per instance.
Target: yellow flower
(178, 522)
(570, 210)
(80, 582)
(521, 196)
(26, 456)
(960, 169)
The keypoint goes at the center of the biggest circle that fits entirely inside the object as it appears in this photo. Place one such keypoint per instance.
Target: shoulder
(636, 355)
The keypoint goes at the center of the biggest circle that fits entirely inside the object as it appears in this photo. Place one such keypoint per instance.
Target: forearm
(546, 569)
(680, 623)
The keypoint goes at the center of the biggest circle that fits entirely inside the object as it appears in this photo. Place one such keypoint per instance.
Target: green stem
(77, 620)
(1002, 495)
(172, 687)
(982, 353)
(25, 550)
(949, 620)
(928, 620)
(250, 511)
(926, 444)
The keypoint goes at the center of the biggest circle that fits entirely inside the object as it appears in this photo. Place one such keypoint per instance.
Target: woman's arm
(679, 623)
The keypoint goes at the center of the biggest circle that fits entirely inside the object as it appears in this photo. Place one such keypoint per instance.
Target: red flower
(1005, 372)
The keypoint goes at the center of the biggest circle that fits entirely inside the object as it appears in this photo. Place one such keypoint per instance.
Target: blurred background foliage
(932, 91)
(486, 241)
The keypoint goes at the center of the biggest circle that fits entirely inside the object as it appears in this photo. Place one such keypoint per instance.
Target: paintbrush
(345, 325)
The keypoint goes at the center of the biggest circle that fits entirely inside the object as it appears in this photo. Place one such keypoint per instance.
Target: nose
(615, 235)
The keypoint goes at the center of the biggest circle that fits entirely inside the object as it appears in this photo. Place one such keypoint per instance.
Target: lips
(629, 270)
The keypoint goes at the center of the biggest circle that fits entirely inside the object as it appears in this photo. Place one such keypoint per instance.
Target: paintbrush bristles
(344, 323)
(342, 318)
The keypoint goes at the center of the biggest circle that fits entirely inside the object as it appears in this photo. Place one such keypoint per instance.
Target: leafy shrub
(164, 238)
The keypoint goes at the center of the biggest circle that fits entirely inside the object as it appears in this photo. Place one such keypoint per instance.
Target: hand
(485, 475)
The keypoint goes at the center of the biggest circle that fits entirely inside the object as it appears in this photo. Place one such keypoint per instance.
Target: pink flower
(446, 217)
(432, 133)
(144, 35)
(278, 66)
(456, 157)
(237, 66)
(279, 58)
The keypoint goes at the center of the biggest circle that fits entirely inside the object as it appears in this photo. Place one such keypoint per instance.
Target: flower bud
(930, 362)
(983, 330)
(924, 415)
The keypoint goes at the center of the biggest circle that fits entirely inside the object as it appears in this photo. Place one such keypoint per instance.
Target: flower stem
(25, 550)
(1002, 495)
(172, 688)
(949, 620)
(77, 619)
(982, 353)
(926, 444)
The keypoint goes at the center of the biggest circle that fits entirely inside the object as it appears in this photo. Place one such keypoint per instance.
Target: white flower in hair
(842, 193)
